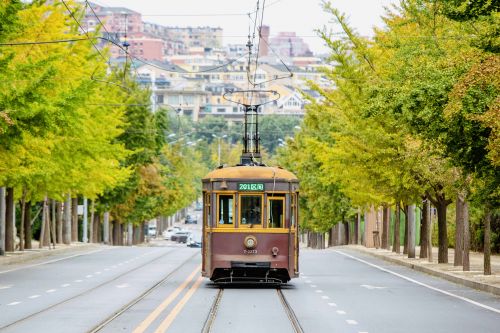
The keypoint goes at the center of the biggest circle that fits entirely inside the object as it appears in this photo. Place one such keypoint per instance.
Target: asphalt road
(159, 288)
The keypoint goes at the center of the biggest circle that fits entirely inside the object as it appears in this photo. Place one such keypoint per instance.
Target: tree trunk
(53, 232)
(442, 234)
(116, 233)
(2, 221)
(9, 220)
(91, 222)
(346, 233)
(130, 234)
(424, 230)
(466, 262)
(459, 231)
(405, 239)
(97, 226)
(106, 228)
(74, 219)
(411, 231)
(137, 236)
(43, 230)
(385, 228)
(396, 247)
(59, 222)
(27, 225)
(429, 235)
(356, 227)
(487, 242)
(67, 220)
(22, 206)
(85, 222)
(47, 222)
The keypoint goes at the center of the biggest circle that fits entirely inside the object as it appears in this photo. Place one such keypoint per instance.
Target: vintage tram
(250, 219)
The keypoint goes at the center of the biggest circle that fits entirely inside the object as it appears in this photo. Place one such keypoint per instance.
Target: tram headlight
(250, 242)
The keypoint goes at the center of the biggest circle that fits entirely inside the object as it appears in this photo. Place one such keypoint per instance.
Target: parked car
(167, 234)
(190, 220)
(180, 236)
(194, 240)
(152, 231)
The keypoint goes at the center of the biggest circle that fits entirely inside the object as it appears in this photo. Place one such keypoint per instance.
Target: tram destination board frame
(251, 187)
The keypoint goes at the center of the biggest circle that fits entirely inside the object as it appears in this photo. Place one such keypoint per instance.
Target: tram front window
(225, 213)
(251, 208)
(275, 212)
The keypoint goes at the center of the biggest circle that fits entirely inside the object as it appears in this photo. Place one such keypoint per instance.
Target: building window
(221, 110)
(159, 99)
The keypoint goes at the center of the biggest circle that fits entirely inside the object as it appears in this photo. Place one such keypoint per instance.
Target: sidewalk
(473, 278)
(17, 257)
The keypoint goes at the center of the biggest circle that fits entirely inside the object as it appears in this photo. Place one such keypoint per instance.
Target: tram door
(206, 255)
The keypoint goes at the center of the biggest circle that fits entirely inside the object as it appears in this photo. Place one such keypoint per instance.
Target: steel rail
(123, 309)
(34, 314)
(207, 327)
(289, 311)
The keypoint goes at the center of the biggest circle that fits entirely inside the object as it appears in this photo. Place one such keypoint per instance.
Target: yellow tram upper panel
(250, 172)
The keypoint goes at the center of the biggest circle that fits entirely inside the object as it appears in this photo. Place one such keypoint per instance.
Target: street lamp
(218, 139)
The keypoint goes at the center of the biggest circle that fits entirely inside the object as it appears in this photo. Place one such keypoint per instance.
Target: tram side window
(225, 210)
(275, 212)
(251, 208)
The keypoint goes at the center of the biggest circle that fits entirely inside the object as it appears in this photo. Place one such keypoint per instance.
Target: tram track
(209, 323)
(92, 289)
(136, 300)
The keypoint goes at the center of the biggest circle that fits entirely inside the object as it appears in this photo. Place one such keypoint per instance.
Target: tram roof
(250, 172)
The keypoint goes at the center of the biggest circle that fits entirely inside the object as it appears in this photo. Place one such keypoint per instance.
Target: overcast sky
(300, 16)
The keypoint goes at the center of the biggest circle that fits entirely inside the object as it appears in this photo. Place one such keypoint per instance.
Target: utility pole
(218, 149)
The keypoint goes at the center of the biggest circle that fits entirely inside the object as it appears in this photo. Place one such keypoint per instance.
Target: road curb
(28, 255)
(446, 276)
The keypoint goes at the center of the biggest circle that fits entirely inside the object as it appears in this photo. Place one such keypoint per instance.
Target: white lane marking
(332, 304)
(308, 281)
(34, 296)
(124, 285)
(363, 332)
(340, 312)
(88, 276)
(319, 291)
(313, 286)
(78, 281)
(65, 285)
(14, 303)
(351, 322)
(5, 287)
(367, 286)
(465, 299)
(50, 261)
(50, 290)
(97, 273)
(325, 297)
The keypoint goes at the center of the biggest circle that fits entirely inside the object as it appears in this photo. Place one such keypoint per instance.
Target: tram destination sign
(250, 186)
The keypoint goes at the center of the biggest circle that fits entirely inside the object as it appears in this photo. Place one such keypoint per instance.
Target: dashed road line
(14, 303)
(34, 296)
(465, 299)
(50, 291)
(332, 304)
(325, 297)
(319, 291)
(351, 322)
(341, 312)
(65, 285)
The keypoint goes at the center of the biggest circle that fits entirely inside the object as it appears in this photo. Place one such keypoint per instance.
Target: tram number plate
(250, 186)
(250, 251)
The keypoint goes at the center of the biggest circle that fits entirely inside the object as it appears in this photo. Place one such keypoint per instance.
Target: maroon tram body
(250, 225)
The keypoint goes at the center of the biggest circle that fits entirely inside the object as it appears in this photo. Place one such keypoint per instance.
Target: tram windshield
(275, 212)
(251, 208)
